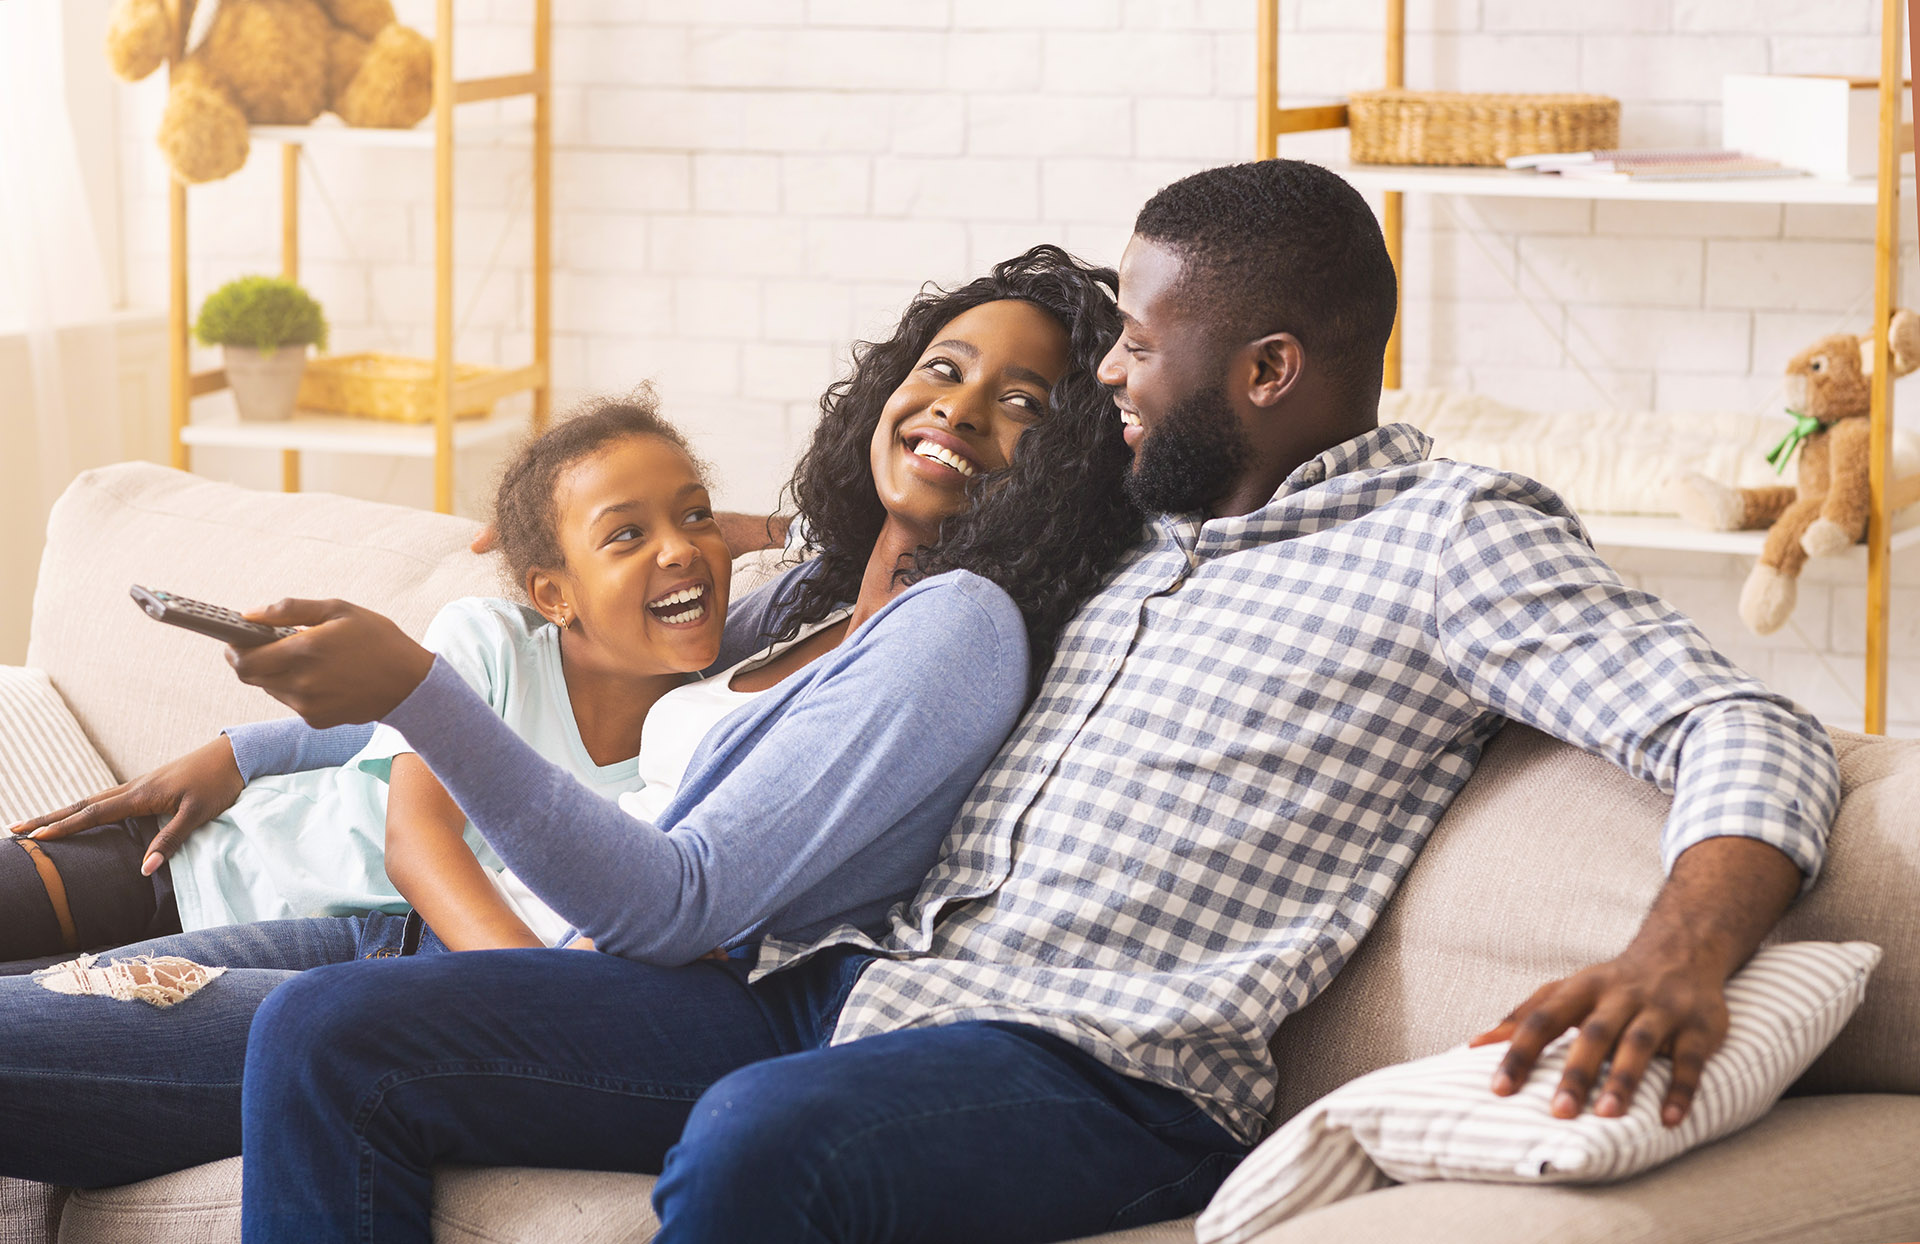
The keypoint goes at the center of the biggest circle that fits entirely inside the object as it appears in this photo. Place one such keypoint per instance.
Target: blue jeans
(360, 1079)
(96, 1091)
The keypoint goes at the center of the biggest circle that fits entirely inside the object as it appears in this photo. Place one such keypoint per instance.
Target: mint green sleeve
(477, 642)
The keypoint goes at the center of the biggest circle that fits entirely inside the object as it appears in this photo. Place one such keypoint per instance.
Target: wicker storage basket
(1451, 127)
(383, 386)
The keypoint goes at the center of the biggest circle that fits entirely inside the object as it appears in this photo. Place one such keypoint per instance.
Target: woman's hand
(349, 664)
(183, 794)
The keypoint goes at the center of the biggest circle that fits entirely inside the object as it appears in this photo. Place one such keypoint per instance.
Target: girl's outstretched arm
(429, 863)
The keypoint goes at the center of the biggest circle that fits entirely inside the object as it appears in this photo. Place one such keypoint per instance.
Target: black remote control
(224, 624)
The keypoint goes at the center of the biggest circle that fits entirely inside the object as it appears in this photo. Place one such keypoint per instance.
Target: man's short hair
(1282, 246)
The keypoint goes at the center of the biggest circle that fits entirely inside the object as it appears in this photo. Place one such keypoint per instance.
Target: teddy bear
(272, 62)
(1828, 389)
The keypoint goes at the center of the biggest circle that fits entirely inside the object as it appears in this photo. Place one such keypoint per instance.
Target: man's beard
(1190, 457)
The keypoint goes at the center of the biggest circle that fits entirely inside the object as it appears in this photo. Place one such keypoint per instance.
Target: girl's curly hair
(526, 529)
(1048, 528)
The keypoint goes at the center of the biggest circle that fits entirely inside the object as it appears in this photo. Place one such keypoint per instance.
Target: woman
(926, 427)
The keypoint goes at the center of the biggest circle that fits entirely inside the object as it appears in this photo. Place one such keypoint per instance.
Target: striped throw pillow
(45, 760)
(1435, 1118)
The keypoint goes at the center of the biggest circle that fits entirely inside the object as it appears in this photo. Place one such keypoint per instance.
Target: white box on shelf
(1827, 125)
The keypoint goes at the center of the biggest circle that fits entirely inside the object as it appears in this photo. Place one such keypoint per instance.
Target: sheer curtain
(58, 371)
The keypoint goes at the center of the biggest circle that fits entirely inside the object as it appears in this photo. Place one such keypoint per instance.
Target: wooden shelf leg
(543, 212)
(179, 377)
(290, 269)
(1392, 226)
(443, 259)
(1392, 223)
(1267, 88)
(290, 211)
(178, 399)
(1886, 293)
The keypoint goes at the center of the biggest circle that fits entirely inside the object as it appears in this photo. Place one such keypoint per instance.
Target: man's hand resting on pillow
(1665, 994)
(349, 665)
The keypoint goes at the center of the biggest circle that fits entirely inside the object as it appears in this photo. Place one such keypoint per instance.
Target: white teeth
(1129, 418)
(687, 615)
(945, 456)
(680, 597)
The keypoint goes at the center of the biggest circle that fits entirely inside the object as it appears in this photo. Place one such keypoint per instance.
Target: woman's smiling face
(980, 384)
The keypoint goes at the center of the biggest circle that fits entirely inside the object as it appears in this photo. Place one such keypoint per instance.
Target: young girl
(606, 527)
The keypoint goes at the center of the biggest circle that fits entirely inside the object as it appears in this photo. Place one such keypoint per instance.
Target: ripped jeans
(98, 1091)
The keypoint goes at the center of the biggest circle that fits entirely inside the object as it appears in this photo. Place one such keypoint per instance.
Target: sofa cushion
(1870, 890)
(144, 692)
(507, 1205)
(1837, 1170)
(45, 759)
(1435, 1118)
(1547, 862)
(1852, 1166)
(29, 1212)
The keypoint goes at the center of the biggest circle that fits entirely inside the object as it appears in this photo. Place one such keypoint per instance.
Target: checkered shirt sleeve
(1537, 627)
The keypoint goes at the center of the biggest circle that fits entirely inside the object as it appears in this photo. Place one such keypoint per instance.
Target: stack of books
(1701, 164)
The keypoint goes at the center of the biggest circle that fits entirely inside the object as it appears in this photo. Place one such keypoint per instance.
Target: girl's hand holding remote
(349, 664)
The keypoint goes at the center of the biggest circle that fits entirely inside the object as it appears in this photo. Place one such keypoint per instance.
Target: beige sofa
(1544, 863)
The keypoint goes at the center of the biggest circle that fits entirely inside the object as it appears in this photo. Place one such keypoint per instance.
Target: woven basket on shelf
(383, 386)
(1452, 127)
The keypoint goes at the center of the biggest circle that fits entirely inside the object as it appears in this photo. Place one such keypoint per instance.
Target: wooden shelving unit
(1881, 192)
(440, 439)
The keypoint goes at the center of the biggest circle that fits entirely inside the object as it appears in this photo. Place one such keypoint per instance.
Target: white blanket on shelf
(1608, 462)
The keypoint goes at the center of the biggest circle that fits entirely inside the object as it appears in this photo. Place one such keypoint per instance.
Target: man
(1241, 746)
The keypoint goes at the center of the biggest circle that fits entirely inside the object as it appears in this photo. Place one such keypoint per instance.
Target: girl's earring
(566, 620)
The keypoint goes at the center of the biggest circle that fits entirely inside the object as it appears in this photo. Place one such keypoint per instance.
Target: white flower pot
(265, 383)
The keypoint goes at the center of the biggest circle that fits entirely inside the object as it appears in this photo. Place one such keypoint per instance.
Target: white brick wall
(743, 186)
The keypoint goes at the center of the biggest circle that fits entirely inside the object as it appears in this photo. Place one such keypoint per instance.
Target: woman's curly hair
(1048, 528)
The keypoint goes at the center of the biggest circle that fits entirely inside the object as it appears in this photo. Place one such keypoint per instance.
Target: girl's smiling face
(980, 384)
(644, 587)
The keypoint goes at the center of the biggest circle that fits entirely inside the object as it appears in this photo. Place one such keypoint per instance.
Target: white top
(682, 717)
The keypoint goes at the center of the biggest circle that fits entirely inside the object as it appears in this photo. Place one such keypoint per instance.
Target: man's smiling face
(1189, 443)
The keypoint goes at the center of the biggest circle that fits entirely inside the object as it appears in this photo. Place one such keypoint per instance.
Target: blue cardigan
(822, 802)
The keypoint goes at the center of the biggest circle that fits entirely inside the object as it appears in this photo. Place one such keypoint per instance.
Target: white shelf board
(330, 132)
(1646, 531)
(1500, 183)
(344, 434)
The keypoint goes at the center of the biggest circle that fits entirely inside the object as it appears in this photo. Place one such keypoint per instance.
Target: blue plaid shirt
(1247, 736)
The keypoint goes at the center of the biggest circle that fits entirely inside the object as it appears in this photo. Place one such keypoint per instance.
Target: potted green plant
(263, 325)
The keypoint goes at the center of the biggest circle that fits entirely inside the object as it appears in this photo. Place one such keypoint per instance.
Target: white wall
(743, 186)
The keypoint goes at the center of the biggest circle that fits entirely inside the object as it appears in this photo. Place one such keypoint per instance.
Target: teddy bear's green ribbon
(1781, 454)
